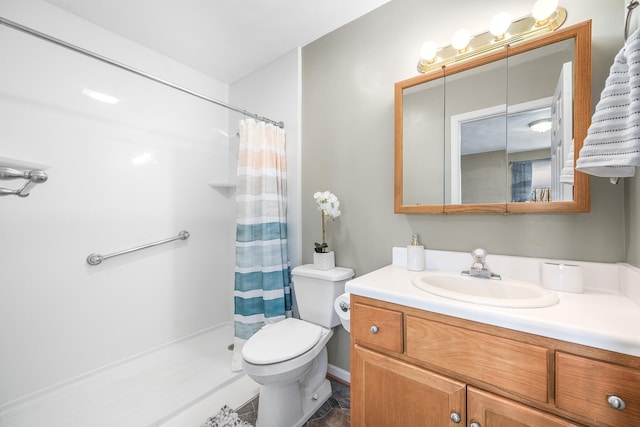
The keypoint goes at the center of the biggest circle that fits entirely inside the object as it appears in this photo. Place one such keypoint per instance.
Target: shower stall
(139, 338)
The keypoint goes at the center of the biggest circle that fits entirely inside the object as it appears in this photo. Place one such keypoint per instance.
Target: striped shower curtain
(521, 181)
(262, 292)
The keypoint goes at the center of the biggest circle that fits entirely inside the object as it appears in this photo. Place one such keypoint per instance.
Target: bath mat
(227, 417)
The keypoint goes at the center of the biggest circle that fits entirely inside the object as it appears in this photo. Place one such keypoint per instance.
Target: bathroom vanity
(423, 360)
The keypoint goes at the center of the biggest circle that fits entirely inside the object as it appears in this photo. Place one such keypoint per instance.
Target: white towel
(566, 175)
(612, 145)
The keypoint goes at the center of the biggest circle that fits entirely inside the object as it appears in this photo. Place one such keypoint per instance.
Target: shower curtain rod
(35, 33)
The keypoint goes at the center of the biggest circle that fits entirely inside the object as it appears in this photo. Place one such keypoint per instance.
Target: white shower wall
(119, 176)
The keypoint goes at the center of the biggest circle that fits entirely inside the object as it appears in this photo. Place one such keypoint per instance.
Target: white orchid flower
(329, 204)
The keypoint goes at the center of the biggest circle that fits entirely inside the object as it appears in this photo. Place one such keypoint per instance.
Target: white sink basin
(498, 293)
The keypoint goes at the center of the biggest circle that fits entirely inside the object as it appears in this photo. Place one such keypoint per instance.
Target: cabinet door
(389, 392)
(489, 410)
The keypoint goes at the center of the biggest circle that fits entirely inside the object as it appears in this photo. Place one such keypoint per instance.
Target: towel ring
(632, 5)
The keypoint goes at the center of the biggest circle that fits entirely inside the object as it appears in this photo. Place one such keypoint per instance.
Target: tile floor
(334, 413)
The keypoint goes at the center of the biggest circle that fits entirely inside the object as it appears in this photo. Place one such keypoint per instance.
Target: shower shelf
(224, 188)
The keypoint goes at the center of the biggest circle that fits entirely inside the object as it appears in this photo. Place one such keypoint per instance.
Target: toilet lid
(281, 341)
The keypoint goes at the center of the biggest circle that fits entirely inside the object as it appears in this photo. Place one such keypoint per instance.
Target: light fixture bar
(520, 30)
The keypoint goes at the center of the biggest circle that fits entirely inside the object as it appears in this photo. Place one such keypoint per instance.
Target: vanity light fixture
(545, 17)
(540, 126)
(99, 96)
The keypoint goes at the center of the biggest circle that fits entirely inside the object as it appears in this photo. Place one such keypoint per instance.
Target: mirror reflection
(477, 137)
(424, 143)
(540, 88)
(485, 154)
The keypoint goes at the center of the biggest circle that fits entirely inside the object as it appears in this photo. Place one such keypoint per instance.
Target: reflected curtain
(521, 181)
(262, 292)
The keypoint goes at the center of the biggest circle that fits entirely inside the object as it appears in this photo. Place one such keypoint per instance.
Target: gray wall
(347, 146)
(483, 177)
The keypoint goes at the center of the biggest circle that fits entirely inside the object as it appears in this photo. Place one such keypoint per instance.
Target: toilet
(289, 358)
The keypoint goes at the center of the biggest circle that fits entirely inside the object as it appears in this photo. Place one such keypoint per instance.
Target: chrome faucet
(479, 267)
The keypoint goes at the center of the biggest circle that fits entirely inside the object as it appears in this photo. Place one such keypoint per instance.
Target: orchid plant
(329, 206)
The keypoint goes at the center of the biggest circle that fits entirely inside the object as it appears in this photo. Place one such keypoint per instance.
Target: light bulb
(461, 39)
(500, 24)
(543, 9)
(428, 51)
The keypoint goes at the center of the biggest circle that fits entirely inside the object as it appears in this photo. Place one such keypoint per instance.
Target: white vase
(324, 261)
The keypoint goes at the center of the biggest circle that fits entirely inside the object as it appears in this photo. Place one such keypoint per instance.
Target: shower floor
(179, 384)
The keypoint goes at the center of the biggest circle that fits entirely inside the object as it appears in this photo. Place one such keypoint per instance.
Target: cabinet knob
(374, 329)
(474, 424)
(615, 402)
(455, 417)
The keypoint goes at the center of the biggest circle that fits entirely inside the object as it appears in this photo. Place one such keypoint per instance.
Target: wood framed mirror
(467, 138)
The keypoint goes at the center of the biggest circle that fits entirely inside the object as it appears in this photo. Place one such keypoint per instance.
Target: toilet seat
(281, 341)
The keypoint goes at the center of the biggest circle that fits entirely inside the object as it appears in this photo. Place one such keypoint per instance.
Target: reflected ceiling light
(499, 25)
(99, 96)
(460, 40)
(546, 17)
(540, 126)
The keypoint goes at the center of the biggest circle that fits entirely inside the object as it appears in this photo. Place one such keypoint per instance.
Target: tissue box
(562, 277)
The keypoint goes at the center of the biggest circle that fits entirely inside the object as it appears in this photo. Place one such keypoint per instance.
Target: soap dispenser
(415, 255)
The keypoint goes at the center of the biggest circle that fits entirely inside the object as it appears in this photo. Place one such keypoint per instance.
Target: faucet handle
(479, 267)
(479, 255)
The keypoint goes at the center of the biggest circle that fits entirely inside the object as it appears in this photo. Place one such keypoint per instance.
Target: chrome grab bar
(33, 177)
(95, 259)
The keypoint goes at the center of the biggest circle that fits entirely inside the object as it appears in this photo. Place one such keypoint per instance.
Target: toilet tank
(316, 290)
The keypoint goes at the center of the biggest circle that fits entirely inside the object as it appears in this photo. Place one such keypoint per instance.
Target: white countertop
(598, 317)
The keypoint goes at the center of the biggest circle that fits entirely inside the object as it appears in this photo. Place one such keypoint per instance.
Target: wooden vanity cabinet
(411, 367)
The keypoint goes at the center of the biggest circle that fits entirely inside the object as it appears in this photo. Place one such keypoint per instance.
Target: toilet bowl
(289, 358)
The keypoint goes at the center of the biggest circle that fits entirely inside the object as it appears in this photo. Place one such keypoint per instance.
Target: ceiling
(490, 133)
(224, 39)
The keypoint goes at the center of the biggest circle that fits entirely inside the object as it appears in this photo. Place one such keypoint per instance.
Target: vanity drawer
(511, 365)
(377, 327)
(583, 387)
